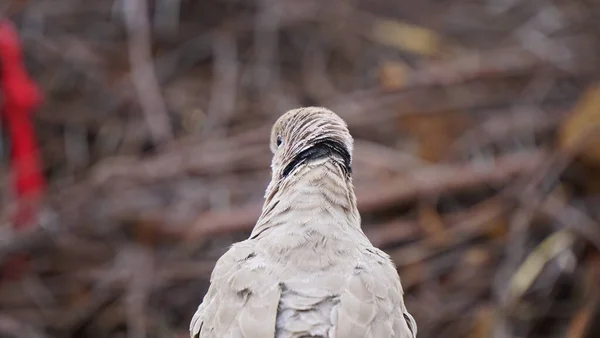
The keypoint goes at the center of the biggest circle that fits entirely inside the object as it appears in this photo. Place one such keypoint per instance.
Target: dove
(307, 269)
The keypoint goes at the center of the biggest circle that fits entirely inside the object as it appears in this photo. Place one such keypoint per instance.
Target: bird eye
(279, 140)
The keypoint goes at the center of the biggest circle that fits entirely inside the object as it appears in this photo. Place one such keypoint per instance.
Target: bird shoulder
(242, 299)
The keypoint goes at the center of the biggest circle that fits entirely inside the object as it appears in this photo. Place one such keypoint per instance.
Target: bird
(307, 269)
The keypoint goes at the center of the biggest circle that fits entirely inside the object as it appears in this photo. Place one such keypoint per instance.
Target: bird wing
(372, 303)
(242, 299)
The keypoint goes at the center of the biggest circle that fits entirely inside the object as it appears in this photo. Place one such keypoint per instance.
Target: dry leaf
(484, 319)
(476, 256)
(584, 318)
(432, 224)
(585, 119)
(413, 274)
(533, 265)
(435, 133)
(393, 75)
(192, 120)
(497, 227)
(407, 37)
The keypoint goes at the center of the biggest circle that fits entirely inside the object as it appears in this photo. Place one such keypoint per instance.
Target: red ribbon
(21, 96)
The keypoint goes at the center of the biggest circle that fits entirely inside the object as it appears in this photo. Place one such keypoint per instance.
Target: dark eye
(279, 140)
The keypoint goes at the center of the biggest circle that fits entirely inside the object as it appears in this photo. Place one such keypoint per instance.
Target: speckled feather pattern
(307, 269)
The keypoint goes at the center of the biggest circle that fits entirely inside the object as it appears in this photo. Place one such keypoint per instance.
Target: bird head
(305, 134)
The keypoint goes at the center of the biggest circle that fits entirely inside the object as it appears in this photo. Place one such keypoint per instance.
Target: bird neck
(317, 197)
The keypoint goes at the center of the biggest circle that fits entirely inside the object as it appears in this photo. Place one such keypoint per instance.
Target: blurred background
(135, 151)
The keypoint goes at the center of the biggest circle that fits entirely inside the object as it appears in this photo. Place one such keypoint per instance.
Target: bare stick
(143, 75)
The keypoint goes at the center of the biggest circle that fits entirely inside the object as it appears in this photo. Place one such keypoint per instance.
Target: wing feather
(242, 299)
(372, 303)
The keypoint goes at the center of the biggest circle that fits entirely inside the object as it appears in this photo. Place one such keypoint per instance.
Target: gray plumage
(307, 269)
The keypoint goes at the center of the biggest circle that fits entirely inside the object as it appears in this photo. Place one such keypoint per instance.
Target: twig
(31, 239)
(224, 89)
(138, 289)
(143, 75)
(12, 328)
